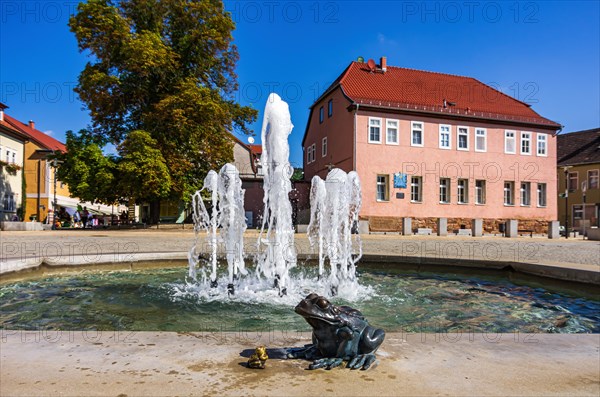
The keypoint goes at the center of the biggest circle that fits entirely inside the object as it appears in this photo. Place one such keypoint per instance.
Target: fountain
(280, 256)
(227, 198)
(335, 204)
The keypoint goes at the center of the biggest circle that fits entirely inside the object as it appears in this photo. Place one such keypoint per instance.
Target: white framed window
(10, 155)
(374, 130)
(480, 140)
(9, 202)
(445, 137)
(444, 190)
(416, 188)
(383, 183)
(462, 138)
(324, 147)
(525, 194)
(573, 182)
(391, 132)
(577, 211)
(416, 133)
(479, 191)
(463, 191)
(321, 114)
(509, 193)
(526, 143)
(330, 108)
(510, 146)
(541, 193)
(593, 179)
(542, 145)
(311, 153)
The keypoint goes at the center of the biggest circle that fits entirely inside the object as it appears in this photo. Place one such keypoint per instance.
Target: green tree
(165, 67)
(142, 171)
(89, 174)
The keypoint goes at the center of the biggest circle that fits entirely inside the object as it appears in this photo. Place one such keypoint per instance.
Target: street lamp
(566, 170)
(55, 163)
(584, 190)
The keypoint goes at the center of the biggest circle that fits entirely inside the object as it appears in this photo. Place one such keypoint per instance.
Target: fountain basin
(398, 299)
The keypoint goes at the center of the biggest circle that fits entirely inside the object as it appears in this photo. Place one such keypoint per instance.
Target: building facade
(38, 171)
(41, 186)
(430, 145)
(578, 170)
(12, 144)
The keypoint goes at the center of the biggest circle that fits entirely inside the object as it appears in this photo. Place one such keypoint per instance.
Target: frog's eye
(322, 303)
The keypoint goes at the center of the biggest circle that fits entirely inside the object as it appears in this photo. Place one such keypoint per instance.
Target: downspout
(354, 141)
(39, 183)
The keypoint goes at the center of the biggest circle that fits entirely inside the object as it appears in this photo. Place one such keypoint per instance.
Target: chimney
(383, 64)
(32, 124)
(2, 107)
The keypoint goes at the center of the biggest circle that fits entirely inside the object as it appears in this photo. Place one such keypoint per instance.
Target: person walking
(84, 217)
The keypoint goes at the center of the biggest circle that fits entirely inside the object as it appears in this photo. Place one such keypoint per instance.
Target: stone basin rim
(19, 269)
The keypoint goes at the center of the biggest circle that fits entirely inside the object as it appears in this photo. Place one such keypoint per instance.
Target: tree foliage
(142, 171)
(89, 174)
(164, 67)
(138, 172)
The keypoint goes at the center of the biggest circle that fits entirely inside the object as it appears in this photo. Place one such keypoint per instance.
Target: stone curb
(566, 272)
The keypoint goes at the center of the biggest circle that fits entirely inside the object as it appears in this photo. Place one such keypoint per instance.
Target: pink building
(430, 145)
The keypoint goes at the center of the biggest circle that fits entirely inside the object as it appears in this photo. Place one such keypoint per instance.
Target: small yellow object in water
(258, 359)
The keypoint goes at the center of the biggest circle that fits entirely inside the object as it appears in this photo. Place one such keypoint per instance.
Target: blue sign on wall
(400, 180)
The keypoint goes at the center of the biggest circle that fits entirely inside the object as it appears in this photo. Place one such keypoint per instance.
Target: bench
(464, 232)
(424, 231)
(521, 231)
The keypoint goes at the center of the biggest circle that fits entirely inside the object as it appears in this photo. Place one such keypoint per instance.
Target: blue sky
(544, 53)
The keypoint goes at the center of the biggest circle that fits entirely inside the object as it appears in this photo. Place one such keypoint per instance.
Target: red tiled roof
(256, 149)
(409, 89)
(39, 137)
(13, 130)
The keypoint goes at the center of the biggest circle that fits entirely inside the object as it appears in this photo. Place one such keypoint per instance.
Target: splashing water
(227, 197)
(335, 204)
(279, 256)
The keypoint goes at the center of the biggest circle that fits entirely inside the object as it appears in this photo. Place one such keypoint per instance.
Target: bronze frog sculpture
(340, 333)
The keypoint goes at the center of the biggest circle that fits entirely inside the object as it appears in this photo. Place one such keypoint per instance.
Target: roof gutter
(354, 141)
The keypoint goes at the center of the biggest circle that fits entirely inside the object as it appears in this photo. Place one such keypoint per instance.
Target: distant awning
(71, 206)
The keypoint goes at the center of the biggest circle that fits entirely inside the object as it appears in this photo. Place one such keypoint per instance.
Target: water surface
(162, 300)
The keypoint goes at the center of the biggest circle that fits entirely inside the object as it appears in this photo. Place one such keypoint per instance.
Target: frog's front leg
(346, 340)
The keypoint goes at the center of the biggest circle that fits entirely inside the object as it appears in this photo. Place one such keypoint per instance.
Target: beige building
(12, 143)
(579, 174)
(41, 186)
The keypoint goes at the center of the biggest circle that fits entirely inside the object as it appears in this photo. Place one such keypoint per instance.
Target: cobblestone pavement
(82, 363)
(92, 243)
